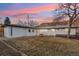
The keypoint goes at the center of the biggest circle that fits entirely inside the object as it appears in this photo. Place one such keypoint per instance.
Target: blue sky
(11, 6)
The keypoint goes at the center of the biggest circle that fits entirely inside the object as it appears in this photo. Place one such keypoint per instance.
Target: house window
(32, 30)
(29, 30)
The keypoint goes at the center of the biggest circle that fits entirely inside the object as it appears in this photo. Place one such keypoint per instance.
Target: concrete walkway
(8, 45)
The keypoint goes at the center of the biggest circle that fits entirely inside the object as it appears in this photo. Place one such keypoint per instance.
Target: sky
(43, 9)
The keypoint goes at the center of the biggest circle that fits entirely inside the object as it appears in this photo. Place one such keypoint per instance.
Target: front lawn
(46, 46)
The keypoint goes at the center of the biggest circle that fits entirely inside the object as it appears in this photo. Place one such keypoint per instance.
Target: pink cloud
(30, 10)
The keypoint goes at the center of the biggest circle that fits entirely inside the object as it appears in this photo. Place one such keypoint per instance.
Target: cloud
(37, 9)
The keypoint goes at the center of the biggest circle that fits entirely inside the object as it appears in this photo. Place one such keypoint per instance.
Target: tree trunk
(69, 31)
(69, 28)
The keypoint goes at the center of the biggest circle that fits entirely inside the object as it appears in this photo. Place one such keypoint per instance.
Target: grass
(6, 51)
(46, 46)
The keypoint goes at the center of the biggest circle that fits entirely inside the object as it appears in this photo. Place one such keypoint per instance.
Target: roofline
(56, 27)
(16, 26)
(37, 27)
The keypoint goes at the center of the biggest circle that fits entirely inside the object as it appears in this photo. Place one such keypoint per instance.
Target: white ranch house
(11, 31)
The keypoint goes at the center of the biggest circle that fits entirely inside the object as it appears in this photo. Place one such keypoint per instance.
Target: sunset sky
(43, 9)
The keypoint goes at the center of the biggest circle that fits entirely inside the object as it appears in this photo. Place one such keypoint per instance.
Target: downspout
(11, 31)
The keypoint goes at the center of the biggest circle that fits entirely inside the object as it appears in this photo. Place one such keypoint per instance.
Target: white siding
(48, 32)
(7, 32)
(57, 32)
(65, 32)
(18, 32)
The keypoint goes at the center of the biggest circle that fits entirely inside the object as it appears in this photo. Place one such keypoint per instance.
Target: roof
(56, 27)
(16, 26)
(39, 27)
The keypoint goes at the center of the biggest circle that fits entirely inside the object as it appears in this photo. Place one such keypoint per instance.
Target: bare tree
(33, 23)
(20, 23)
(56, 20)
(72, 11)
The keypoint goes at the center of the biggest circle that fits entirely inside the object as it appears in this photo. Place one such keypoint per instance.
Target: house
(11, 31)
(47, 29)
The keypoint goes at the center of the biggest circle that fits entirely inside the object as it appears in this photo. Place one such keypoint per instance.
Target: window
(29, 30)
(32, 30)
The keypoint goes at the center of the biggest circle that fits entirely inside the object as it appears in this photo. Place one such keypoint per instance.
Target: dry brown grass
(46, 46)
(7, 51)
